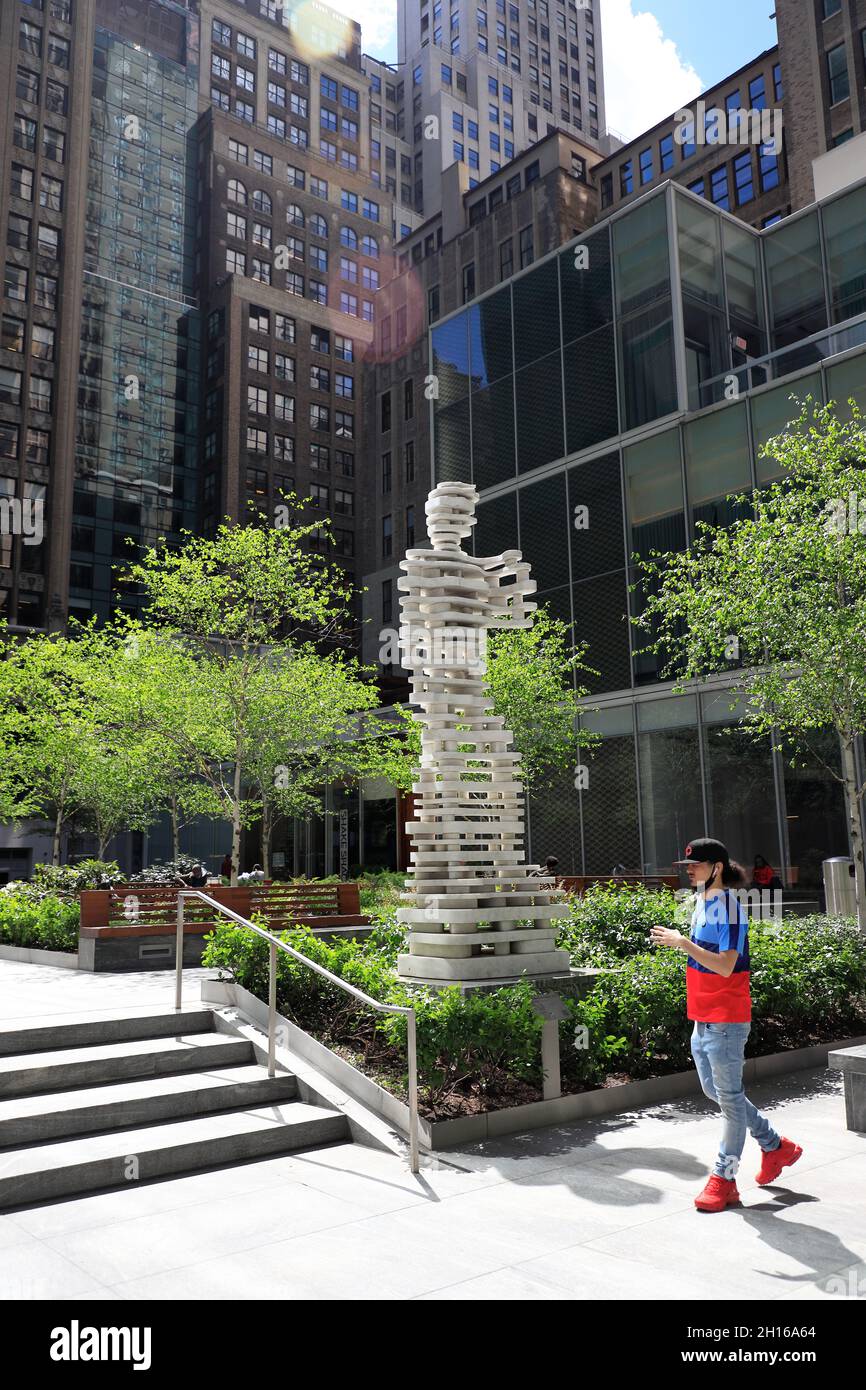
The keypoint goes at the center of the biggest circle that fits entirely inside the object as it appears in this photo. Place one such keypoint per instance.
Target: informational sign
(278, 859)
(344, 845)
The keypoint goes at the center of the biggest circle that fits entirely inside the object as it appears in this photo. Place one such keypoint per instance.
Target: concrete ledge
(32, 955)
(465, 1129)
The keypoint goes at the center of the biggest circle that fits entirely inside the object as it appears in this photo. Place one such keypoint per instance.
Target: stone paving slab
(597, 1209)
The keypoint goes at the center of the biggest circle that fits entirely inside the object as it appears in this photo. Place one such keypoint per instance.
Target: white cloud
(378, 21)
(645, 76)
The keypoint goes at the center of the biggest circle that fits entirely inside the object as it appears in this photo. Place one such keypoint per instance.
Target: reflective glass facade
(605, 402)
(135, 469)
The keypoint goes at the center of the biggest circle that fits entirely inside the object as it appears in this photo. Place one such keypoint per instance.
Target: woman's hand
(668, 936)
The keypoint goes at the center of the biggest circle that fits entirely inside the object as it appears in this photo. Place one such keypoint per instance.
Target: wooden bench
(133, 927)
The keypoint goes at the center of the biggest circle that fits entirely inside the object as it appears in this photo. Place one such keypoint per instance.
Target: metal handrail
(275, 943)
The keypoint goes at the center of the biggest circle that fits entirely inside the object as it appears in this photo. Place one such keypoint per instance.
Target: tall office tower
(295, 240)
(196, 223)
(99, 370)
(485, 79)
(822, 48)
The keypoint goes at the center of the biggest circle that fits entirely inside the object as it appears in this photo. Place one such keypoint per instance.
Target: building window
(743, 179)
(527, 247)
(831, 7)
(30, 38)
(238, 152)
(284, 328)
(468, 282)
(769, 167)
(58, 51)
(719, 187)
(387, 537)
(666, 152)
(385, 412)
(626, 177)
(757, 93)
(408, 399)
(606, 190)
(837, 73)
(646, 166)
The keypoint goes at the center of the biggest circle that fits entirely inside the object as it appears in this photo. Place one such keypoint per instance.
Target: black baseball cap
(705, 851)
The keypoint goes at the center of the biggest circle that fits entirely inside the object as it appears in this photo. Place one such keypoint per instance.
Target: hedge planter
(466, 1129)
(31, 955)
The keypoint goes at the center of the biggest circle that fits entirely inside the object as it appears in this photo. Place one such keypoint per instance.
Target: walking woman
(719, 1002)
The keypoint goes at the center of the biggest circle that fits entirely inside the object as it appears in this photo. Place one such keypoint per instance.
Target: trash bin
(839, 887)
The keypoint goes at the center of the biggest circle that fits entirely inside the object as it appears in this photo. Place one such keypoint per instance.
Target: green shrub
(609, 923)
(808, 983)
(66, 881)
(47, 924)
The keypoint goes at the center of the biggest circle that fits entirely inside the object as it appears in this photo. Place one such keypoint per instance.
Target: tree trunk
(55, 845)
(267, 832)
(102, 844)
(236, 824)
(175, 830)
(849, 773)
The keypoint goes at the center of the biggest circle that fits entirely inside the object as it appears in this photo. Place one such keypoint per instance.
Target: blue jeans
(718, 1050)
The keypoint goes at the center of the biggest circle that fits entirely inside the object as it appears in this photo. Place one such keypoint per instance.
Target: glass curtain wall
(138, 385)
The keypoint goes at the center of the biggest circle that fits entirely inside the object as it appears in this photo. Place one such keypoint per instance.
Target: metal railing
(275, 945)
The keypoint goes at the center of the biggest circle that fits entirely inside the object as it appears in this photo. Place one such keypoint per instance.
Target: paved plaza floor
(595, 1209)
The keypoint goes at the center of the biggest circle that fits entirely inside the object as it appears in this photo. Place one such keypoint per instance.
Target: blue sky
(658, 53)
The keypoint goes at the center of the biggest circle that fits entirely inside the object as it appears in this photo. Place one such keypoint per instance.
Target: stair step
(31, 1073)
(35, 1119)
(114, 1160)
(71, 1030)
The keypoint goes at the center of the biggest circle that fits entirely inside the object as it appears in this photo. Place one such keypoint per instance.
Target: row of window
(42, 291)
(30, 40)
(285, 329)
(40, 390)
(284, 452)
(256, 268)
(408, 466)
(20, 234)
(385, 416)
(236, 191)
(25, 136)
(28, 86)
(37, 444)
(689, 146)
(50, 189)
(259, 360)
(258, 403)
(838, 80)
(13, 333)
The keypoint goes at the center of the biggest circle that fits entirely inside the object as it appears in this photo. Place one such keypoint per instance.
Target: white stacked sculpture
(478, 911)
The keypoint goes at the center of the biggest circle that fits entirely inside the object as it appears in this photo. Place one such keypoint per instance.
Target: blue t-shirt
(719, 924)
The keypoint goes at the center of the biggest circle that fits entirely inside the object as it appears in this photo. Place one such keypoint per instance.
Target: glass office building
(138, 378)
(601, 378)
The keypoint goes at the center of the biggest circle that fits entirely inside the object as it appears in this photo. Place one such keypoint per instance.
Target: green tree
(230, 676)
(778, 600)
(49, 717)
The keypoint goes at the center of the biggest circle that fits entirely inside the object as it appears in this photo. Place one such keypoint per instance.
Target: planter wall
(32, 955)
(466, 1129)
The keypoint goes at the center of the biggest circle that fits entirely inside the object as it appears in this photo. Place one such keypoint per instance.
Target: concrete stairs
(96, 1103)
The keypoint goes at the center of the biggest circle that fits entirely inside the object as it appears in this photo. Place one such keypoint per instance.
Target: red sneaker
(774, 1160)
(718, 1194)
